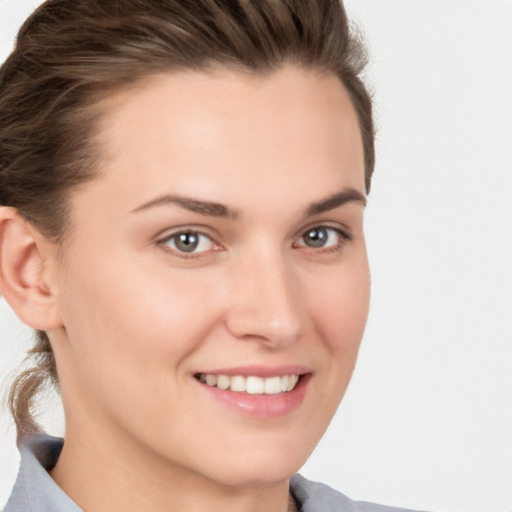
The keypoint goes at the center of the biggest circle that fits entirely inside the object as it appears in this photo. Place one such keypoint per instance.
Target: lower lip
(262, 406)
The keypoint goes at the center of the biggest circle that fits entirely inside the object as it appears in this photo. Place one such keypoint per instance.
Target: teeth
(252, 385)
(273, 386)
(255, 385)
(223, 381)
(292, 381)
(238, 384)
(211, 380)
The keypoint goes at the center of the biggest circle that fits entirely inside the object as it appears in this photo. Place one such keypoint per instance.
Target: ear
(25, 271)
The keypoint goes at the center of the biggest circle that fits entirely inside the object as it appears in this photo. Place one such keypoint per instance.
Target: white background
(427, 421)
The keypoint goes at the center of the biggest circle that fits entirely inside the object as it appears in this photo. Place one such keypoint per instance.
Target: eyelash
(164, 242)
(344, 236)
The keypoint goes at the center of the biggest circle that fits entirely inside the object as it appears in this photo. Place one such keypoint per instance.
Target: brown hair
(70, 54)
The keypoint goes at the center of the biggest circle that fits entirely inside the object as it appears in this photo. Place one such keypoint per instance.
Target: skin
(137, 319)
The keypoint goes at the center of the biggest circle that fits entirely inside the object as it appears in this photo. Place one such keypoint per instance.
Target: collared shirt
(35, 490)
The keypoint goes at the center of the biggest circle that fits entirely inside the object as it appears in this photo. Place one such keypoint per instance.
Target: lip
(261, 406)
(260, 371)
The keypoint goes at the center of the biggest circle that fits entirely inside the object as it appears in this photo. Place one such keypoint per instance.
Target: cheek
(341, 308)
(127, 346)
(128, 325)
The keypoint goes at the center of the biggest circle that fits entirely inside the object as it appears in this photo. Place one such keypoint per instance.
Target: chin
(261, 467)
(261, 475)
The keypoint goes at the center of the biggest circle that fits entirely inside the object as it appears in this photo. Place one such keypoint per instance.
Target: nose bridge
(266, 303)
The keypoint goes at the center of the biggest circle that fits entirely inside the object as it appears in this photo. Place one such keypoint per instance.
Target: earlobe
(24, 275)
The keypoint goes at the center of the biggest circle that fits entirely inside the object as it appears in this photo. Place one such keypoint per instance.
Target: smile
(251, 385)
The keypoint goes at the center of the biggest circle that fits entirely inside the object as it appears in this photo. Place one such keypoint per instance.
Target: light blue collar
(34, 490)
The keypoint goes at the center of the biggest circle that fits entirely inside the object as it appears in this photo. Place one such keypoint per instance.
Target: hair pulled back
(71, 54)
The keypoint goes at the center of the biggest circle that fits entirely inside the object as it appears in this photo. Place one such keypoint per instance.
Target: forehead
(187, 130)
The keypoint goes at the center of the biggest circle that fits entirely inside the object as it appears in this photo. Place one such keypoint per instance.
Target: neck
(131, 478)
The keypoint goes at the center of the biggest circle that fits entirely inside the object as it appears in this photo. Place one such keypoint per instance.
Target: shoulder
(317, 497)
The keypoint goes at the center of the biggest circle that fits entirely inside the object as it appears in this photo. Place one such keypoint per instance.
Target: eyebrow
(213, 209)
(194, 205)
(347, 195)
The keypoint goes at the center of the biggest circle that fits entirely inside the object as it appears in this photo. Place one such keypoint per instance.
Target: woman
(182, 189)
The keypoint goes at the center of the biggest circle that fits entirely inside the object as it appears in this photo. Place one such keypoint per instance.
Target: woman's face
(218, 257)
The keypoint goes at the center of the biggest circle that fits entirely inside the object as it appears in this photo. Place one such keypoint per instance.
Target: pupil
(316, 238)
(187, 242)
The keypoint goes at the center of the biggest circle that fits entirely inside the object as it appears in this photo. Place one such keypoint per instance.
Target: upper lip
(260, 371)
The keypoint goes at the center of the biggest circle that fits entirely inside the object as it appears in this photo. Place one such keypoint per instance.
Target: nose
(265, 303)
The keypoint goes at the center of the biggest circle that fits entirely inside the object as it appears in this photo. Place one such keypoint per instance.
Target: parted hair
(71, 54)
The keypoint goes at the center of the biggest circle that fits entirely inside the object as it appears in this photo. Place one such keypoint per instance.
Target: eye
(323, 237)
(189, 242)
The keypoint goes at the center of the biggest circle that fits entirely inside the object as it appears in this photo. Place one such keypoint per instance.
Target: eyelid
(167, 233)
(164, 236)
(344, 230)
(344, 234)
